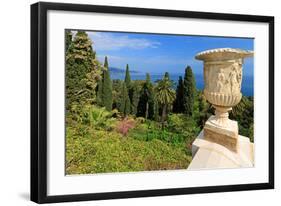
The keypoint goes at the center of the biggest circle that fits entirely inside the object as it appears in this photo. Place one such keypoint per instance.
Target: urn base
(209, 155)
(226, 136)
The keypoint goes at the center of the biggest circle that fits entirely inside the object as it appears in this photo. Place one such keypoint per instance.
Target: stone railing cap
(223, 54)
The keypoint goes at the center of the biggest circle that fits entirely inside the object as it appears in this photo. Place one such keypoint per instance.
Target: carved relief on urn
(222, 79)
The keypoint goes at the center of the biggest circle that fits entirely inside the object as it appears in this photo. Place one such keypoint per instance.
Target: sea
(247, 81)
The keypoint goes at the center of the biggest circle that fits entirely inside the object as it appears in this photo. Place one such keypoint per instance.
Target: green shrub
(102, 152)
(181, 124)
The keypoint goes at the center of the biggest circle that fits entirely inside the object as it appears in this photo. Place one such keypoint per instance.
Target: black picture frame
(39, 101)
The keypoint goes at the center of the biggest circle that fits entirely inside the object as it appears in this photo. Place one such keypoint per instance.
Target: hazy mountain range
(120, 71)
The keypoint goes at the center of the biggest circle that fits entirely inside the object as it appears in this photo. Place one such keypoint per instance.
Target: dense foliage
(132, 125)
(82, 70)
(244, 114)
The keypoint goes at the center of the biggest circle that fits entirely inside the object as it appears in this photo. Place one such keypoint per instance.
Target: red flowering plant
(125, 125)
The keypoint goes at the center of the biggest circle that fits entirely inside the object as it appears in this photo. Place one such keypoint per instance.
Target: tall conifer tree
(178, 106)
(127, 77)
(105, 64)
(150, 114)
(146, 101)
(135, 94)
(189, 91)
(130, 89)
(106, 87)
(167, 75)
(125, 102)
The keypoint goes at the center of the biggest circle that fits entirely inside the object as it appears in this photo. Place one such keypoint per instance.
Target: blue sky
(156, 53)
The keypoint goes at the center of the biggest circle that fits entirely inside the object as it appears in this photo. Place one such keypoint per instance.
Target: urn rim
(223, 54)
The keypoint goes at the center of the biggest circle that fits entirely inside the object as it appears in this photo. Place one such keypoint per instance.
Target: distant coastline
(247, 81)
(116, 70)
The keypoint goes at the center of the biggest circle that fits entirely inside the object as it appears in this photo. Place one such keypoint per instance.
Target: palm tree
(165, 96)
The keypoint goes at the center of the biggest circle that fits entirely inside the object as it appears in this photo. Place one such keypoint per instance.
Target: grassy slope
(97, 151)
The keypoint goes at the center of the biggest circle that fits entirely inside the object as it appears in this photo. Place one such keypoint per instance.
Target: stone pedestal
(224, 135)
(207, 154)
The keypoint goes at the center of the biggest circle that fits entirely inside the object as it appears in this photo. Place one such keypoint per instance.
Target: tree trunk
(163, 117)
(146, 110)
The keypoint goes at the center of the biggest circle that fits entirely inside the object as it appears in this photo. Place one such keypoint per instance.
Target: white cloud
(154, 60)
(106, 41)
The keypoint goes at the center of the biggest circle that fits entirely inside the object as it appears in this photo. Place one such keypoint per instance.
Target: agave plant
(100, 117)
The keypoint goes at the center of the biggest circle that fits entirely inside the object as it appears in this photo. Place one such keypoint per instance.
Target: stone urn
(222, 80)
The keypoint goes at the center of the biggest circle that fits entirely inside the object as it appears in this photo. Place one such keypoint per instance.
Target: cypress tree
(130, 89)
(146, 100)
(117, 85)
(105, 64)
(106, 87)
(189, 91)
(135, 98)
(178, 104)
(125, 103)
(127, 77)
(107, 90)
(167, 75)
(142, 105)
(150, 99)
